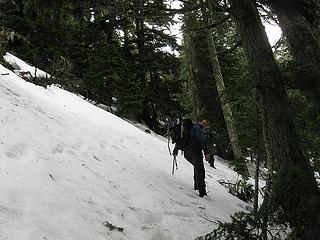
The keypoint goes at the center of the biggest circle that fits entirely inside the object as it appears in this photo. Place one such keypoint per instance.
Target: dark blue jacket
(196, 133)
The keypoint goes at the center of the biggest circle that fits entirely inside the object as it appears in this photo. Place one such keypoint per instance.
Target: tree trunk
(3, 42)
(294, 188)
(196, 47)
(300, 23)
(225, 105)
(144, 113)
(256, 186)
(193, 93)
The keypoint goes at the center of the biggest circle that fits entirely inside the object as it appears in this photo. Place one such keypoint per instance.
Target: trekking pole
(169, 146)
(174, 164)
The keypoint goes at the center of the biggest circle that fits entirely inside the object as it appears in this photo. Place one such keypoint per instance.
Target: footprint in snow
(8, 214)
(59, 148)
(161, 235)
(16, 151)
(103, 144)
(192, 195)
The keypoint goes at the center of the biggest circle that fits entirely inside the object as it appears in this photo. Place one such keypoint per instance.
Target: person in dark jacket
(193, 154)
(209, 135)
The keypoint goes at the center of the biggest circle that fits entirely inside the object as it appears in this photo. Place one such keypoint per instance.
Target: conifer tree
(300, 23)
(204, 84)
(294, 190)
(208, 79)
(111, 44)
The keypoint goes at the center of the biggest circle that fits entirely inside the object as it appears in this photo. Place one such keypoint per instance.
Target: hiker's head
(204, 122)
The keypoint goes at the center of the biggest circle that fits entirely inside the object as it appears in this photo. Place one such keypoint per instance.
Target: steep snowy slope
(68, 170)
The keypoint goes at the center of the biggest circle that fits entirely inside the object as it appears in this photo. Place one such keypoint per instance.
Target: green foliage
(242, 189)
(200, 86)
(286, 216)
(62, 75)
(104, 71)
(307, 119)
(304, 102)
(188, 98)
(239, 166)
(247, 226)
(288, 203)
(130, 97)
(115, 47)
(112, 52)
(7, 35)
(241, 90)
(46, 38)
(239, 85)
(203, 99)
(240, 228)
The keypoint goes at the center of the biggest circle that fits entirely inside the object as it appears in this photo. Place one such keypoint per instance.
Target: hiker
(193, 153)
(209, 135)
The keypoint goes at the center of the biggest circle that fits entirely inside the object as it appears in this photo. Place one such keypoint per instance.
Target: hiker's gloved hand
(207, 157)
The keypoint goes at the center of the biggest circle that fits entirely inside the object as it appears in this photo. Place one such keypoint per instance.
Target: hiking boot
(211, 165)
(202, 193)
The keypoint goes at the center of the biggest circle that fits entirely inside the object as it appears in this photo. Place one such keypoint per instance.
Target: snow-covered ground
(22, 68)
(68, 168)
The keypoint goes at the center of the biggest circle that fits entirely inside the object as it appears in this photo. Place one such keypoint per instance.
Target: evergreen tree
(202, 81)
(111, 44)
(300, 209)
(300, 24)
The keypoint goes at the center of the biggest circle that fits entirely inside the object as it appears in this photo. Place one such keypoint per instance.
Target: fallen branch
(112, 227)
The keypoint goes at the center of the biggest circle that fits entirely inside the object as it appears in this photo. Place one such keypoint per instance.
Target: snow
(22, 68)
(68, 168)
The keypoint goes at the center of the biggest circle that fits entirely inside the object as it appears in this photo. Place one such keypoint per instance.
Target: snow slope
(68, 168)
(21, 66)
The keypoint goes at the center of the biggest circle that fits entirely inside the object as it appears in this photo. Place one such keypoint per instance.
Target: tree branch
(212, 25)
(230, 50)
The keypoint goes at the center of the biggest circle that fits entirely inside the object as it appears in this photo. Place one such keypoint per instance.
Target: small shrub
(242, 189)
(247, 226)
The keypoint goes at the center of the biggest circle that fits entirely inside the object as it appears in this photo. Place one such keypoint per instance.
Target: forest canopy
(263, 103)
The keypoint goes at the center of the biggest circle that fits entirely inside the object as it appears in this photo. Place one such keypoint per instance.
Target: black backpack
(208, 133)
(180, 134)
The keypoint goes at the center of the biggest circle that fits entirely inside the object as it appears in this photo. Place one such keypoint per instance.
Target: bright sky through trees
(273, 31)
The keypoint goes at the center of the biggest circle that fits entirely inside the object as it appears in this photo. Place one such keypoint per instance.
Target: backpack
(180, 134)
(208, 133)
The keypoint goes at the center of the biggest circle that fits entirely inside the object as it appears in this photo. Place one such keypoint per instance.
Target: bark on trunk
(193, 94)
(196, 43)
(3, 42)
(300, 23)
(282, 142)
(256, 187)
(225, 105)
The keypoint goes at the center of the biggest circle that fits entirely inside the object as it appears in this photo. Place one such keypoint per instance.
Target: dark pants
(193, 154)
(211, 161)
